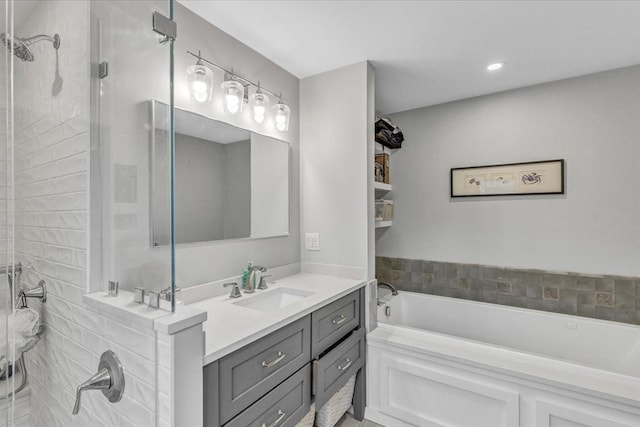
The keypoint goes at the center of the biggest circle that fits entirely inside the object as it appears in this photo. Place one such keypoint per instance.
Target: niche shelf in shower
(383, 224)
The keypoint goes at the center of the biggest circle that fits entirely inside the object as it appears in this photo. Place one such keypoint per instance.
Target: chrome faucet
(235, 290)
(389, 286)
(256, 269)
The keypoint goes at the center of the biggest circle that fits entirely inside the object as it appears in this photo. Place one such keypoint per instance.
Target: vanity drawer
(334, 369)
(332, 322)
(283, 407)
(249, 373)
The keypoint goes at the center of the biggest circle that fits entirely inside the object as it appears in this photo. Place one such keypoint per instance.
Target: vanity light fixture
(200, 79)
(495, 66)
(233, 94)
(281, 112)
(259, 103)
(236, 93)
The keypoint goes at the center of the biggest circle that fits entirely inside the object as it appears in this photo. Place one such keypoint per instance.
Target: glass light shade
(259, 105)
(233, 96)
(281, 114)
(200, 79)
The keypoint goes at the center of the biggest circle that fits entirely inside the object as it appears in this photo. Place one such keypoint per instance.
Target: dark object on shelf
(388, 134)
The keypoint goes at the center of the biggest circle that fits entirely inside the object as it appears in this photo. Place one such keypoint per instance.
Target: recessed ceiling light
(495, 67)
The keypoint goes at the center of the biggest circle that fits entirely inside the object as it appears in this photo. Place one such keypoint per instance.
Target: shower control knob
(109, 379)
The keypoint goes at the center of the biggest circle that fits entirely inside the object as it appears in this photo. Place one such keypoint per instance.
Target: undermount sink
(273, 299)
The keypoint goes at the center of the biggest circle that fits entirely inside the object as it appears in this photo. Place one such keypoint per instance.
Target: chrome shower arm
(40, 37)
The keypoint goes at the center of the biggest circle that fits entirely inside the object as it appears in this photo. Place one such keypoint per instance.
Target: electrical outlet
(312, 241)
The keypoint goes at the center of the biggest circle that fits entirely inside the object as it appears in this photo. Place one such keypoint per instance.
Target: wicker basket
(308, 419)
(337, 405)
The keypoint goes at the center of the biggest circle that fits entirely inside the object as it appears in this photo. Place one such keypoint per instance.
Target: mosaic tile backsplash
(602, 297)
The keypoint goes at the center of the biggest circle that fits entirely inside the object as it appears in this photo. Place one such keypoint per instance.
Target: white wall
(52, 222)
(590, 121)
(334, 154)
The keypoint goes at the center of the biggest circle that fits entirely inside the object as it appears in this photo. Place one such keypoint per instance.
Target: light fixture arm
(235, 76)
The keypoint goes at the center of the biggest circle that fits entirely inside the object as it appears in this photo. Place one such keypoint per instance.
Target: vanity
(270, 355)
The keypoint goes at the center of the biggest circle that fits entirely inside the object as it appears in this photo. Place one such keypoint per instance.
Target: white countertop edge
(266, 330)
(122, 309)
(599, 383)
(183, 318)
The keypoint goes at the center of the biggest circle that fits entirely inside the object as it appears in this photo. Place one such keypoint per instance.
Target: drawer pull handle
(281, 415)
(345, 367)
(339, 320)
(275, 361)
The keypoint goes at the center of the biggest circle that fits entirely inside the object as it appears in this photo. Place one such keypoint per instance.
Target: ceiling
(430, 52)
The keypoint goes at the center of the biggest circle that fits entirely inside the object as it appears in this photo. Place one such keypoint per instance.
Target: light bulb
(233, 96)
(282, 113)
(200, 80)
(232, 103)
(259, 104)
(495, 67)
(199, 86)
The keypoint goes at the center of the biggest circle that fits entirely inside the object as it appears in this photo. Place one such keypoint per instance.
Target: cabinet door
(334, 321)
(334, 368)
(284, 406)
(249, 373)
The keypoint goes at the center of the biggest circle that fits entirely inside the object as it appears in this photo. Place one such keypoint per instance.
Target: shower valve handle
(109, 379)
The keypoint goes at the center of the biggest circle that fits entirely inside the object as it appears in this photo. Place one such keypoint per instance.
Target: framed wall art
(545, 177)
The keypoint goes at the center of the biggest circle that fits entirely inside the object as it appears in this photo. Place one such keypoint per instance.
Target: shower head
(20, 47)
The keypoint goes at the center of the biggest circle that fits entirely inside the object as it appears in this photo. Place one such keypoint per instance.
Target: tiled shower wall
(601, 297)
(52, 205)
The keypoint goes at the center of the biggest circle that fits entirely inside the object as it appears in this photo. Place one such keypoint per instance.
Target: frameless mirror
(229, 183)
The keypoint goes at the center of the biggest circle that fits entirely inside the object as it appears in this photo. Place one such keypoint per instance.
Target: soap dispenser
(245, 276)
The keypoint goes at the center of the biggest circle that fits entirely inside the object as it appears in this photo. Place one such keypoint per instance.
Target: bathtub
(438, 361)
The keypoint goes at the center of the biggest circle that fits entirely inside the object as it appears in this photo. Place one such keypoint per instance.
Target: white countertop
(230, 326)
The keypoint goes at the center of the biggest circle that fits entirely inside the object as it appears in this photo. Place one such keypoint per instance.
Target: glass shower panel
(6, 133)
(131, 66)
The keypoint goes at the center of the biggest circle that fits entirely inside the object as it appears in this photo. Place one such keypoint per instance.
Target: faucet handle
(109, 379)
(138, 296)
(235, 290)
(263, 283)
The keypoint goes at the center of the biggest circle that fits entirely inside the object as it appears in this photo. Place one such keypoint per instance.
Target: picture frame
(509, 179)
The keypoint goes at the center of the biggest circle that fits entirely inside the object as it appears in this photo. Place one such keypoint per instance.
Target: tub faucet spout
(392, 288)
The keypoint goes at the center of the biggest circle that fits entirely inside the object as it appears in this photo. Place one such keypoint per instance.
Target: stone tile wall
(602, 297)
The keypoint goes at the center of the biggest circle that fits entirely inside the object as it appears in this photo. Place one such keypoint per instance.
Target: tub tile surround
(604, 297)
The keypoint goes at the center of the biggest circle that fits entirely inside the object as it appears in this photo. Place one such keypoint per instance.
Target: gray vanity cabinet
(335, 368)
(284, 406)
(333, 321)
(273, 380)
(249, 373)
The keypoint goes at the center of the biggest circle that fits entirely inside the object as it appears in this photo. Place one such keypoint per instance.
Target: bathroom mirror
(229, 183)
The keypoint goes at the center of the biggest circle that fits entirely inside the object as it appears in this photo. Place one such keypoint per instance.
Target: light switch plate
(312, 241)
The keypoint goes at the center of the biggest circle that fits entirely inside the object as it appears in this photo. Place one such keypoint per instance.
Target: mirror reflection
(229, 183)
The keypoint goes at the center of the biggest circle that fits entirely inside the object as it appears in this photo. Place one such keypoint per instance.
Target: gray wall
(200, 263)
(237, 195)
(137, 75)
(213, 190)
(591, 121)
